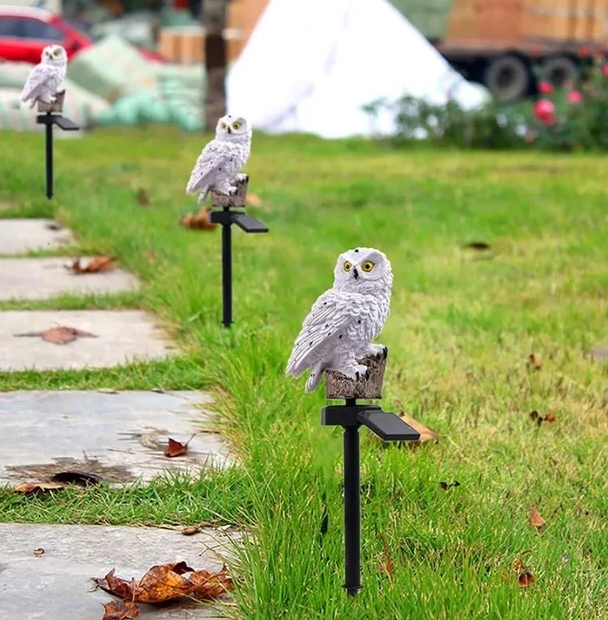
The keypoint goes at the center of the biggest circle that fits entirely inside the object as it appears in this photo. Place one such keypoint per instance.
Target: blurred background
(487, 73)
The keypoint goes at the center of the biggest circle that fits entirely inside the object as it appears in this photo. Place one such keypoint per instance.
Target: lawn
(462, 327)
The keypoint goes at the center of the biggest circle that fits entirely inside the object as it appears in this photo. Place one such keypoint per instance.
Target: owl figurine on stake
(45, 78)
(338, 331)
(221, 161)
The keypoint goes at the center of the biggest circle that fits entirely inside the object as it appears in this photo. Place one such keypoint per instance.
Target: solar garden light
(351, 416)
(229, 210)
(51, 114)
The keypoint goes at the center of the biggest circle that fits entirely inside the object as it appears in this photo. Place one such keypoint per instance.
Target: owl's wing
(332, 313)
(34, 81)
(208, 162)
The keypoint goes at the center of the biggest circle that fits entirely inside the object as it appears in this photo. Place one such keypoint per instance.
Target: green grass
(461, 330)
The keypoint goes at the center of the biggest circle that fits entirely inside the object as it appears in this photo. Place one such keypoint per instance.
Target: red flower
(544, 110)
(605, 69)
(575, 96)
(583, 51)
(545, 87)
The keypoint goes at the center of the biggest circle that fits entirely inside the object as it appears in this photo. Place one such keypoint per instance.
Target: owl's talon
(385, 353)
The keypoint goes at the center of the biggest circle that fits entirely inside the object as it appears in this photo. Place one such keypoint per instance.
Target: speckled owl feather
(218, 166)
(345, 319)
(45, 78)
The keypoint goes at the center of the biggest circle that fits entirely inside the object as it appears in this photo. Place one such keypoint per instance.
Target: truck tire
(507, 77)
(557, 70)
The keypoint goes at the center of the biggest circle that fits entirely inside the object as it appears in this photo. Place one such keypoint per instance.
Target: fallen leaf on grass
(426, 433)
(142, 197)
(524, 577)
(533, 362)
(176, 448)
(387, 566)
(166, 582)
(58, 335)
(253, 200)
(120, 610)
(39, 552)
(198, 221)
(535, 519)
(98, 264)
(448, 485)
(28, 488)
(539, 419)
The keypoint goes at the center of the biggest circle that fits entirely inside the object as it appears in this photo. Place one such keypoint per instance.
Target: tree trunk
(214, 21)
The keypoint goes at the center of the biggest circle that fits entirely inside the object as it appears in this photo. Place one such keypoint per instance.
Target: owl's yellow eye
(57, 53)
(224, 126)
(236, 126)
(367, 266)
(347, 266)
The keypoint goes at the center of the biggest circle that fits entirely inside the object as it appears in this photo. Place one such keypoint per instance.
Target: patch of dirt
(44, 471)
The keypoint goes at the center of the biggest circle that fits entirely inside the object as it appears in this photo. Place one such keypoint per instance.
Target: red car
(26, 31)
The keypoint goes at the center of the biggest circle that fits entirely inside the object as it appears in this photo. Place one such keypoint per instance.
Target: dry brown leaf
(535, 519)
(539, 419)
(198, 221)
(426, 433)
(162, 583)
(176, 448)
(58, 335)
(142, 197)
(38, 487)
(120, 610)
(98, 264)
(533, 362)
(115, 585)
(190, 530)
(526, 579)
(387, 566)
(165, 582)
(208, 585)
(39, 552)
(253, 200)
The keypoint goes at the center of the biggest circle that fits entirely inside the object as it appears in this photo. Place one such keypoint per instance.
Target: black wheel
(557, 70)
(507, 77)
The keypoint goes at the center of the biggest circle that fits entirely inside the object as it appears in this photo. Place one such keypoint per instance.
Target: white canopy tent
(310, 66)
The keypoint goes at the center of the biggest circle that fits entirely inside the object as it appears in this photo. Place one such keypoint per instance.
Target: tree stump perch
(56, 106)
(238, 200)
(341, 387)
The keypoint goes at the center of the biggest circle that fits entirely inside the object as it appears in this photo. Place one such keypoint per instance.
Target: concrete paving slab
(122, 336)
(41, 278)
(57, 585)
(18, 236)
(120, 436)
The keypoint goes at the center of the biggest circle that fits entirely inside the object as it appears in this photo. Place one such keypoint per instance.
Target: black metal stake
(227, 271)
(49, 155)
(48, 119)
(352, 508)
(226, 218)
(388, 427)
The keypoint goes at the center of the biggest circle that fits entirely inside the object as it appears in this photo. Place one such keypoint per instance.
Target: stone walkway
(41, 278)
(118, 436)
(56, 585)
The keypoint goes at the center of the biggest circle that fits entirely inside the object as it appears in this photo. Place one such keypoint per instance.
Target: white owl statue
(345, 319)
(218, 166)
(45, 78)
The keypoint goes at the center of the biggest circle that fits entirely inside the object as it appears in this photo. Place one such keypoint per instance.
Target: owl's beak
(229, 130)
(355, 273)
